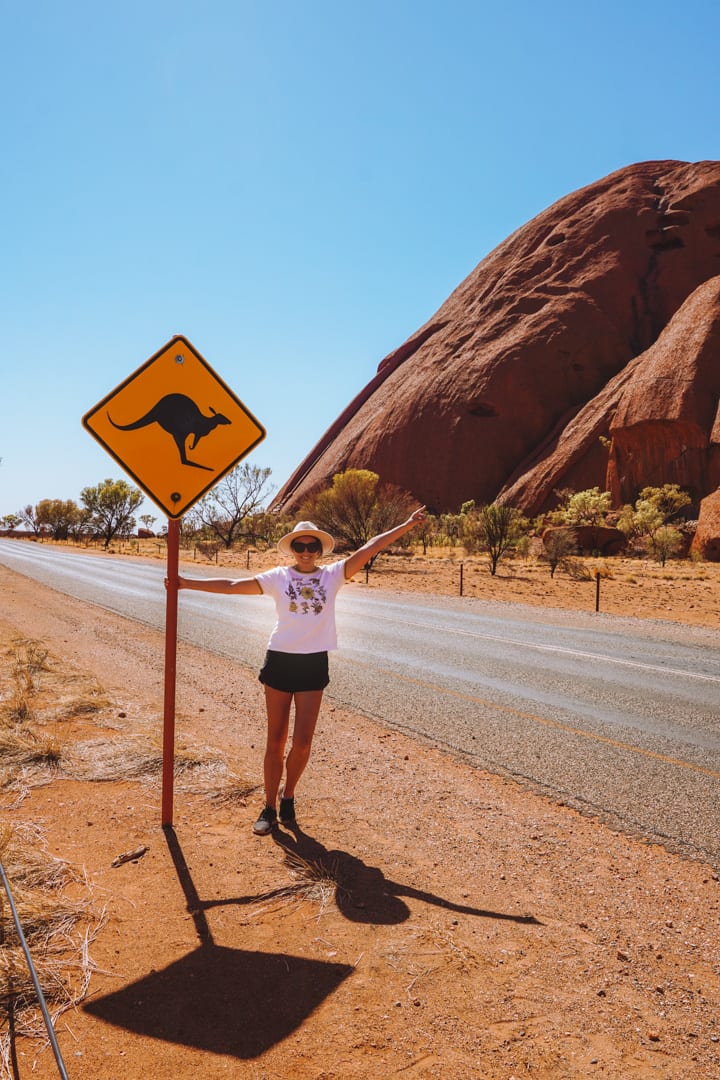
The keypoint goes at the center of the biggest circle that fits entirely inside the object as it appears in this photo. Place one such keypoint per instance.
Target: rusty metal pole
(171, 610)
(461, 578)
(597, 591)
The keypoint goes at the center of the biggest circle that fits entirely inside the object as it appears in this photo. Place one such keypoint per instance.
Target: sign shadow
(227, 1001)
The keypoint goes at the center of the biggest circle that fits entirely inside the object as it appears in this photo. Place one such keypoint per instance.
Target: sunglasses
(313, 546)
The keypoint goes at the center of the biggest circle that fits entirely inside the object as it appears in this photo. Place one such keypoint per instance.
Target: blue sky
(294, 187)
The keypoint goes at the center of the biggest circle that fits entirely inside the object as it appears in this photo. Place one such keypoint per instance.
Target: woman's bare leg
(307, 709)
(277, 703)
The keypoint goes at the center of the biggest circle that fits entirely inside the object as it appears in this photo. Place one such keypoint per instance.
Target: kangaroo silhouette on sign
(180, 417)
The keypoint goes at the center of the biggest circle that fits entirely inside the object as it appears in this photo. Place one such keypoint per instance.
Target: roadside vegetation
(232, 516)
(58, 725)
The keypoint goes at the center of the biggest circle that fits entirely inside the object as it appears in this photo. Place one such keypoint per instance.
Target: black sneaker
(266, 822)
(287, 811)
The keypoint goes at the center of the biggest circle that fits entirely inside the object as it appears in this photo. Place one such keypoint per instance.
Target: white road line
(562, 649)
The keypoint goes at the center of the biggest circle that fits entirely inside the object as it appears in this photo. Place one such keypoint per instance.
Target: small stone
(653, 1036)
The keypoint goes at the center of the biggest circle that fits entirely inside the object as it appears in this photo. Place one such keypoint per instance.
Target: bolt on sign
(174, 426)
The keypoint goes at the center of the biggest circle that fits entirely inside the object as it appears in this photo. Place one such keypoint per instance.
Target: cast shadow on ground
(225, 1001)
(362, 893)
(242, 1002)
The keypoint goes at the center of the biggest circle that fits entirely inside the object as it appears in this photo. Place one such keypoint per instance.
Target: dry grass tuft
(30, 656)
(230, 790)
(89, 704)
(133, 758)
(24, 701)
(24, 855)
(22, 746)
(198, 770)
(108, 759)
(58, 931)
(18, 710)
(316, 882)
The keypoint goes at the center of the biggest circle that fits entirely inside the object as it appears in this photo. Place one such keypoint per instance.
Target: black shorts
(295, 672)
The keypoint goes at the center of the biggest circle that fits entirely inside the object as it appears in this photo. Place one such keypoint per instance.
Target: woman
(296, 662)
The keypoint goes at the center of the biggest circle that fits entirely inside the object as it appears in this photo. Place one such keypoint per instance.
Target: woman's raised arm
(359, 558)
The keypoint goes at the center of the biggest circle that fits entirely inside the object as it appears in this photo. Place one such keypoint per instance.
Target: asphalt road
(617, 717)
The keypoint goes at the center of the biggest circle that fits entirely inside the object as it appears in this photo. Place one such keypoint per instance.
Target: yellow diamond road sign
(174, 426)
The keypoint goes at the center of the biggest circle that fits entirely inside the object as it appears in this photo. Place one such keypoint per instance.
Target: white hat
(305, 528)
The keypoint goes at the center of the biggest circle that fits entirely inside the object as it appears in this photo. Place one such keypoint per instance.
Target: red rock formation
(707, 538)
(661, 412)
(666, 428)
(590, 538)
(508, 389)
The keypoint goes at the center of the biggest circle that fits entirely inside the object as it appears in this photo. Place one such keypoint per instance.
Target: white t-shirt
(305, 605)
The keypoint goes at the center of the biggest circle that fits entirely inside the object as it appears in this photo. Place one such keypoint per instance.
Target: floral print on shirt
(307, 596)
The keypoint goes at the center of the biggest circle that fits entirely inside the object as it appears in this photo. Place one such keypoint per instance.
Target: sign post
(151, 424)
(171, 613)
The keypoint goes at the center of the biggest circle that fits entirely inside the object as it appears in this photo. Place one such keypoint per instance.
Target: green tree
(427, 532)
(627, 522)
(82, 525)
(589, 507)
(265, 528)
(498, 528)
(226, 508)
(191, 527)
(10, 521)
(111, 505)
(668, 500)
(558, 548)
(582, 509)
(357, 507)
(648, 519)
(452, 528)
(59, 515)
(666, 541)
(148, 521)
(28, 516)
